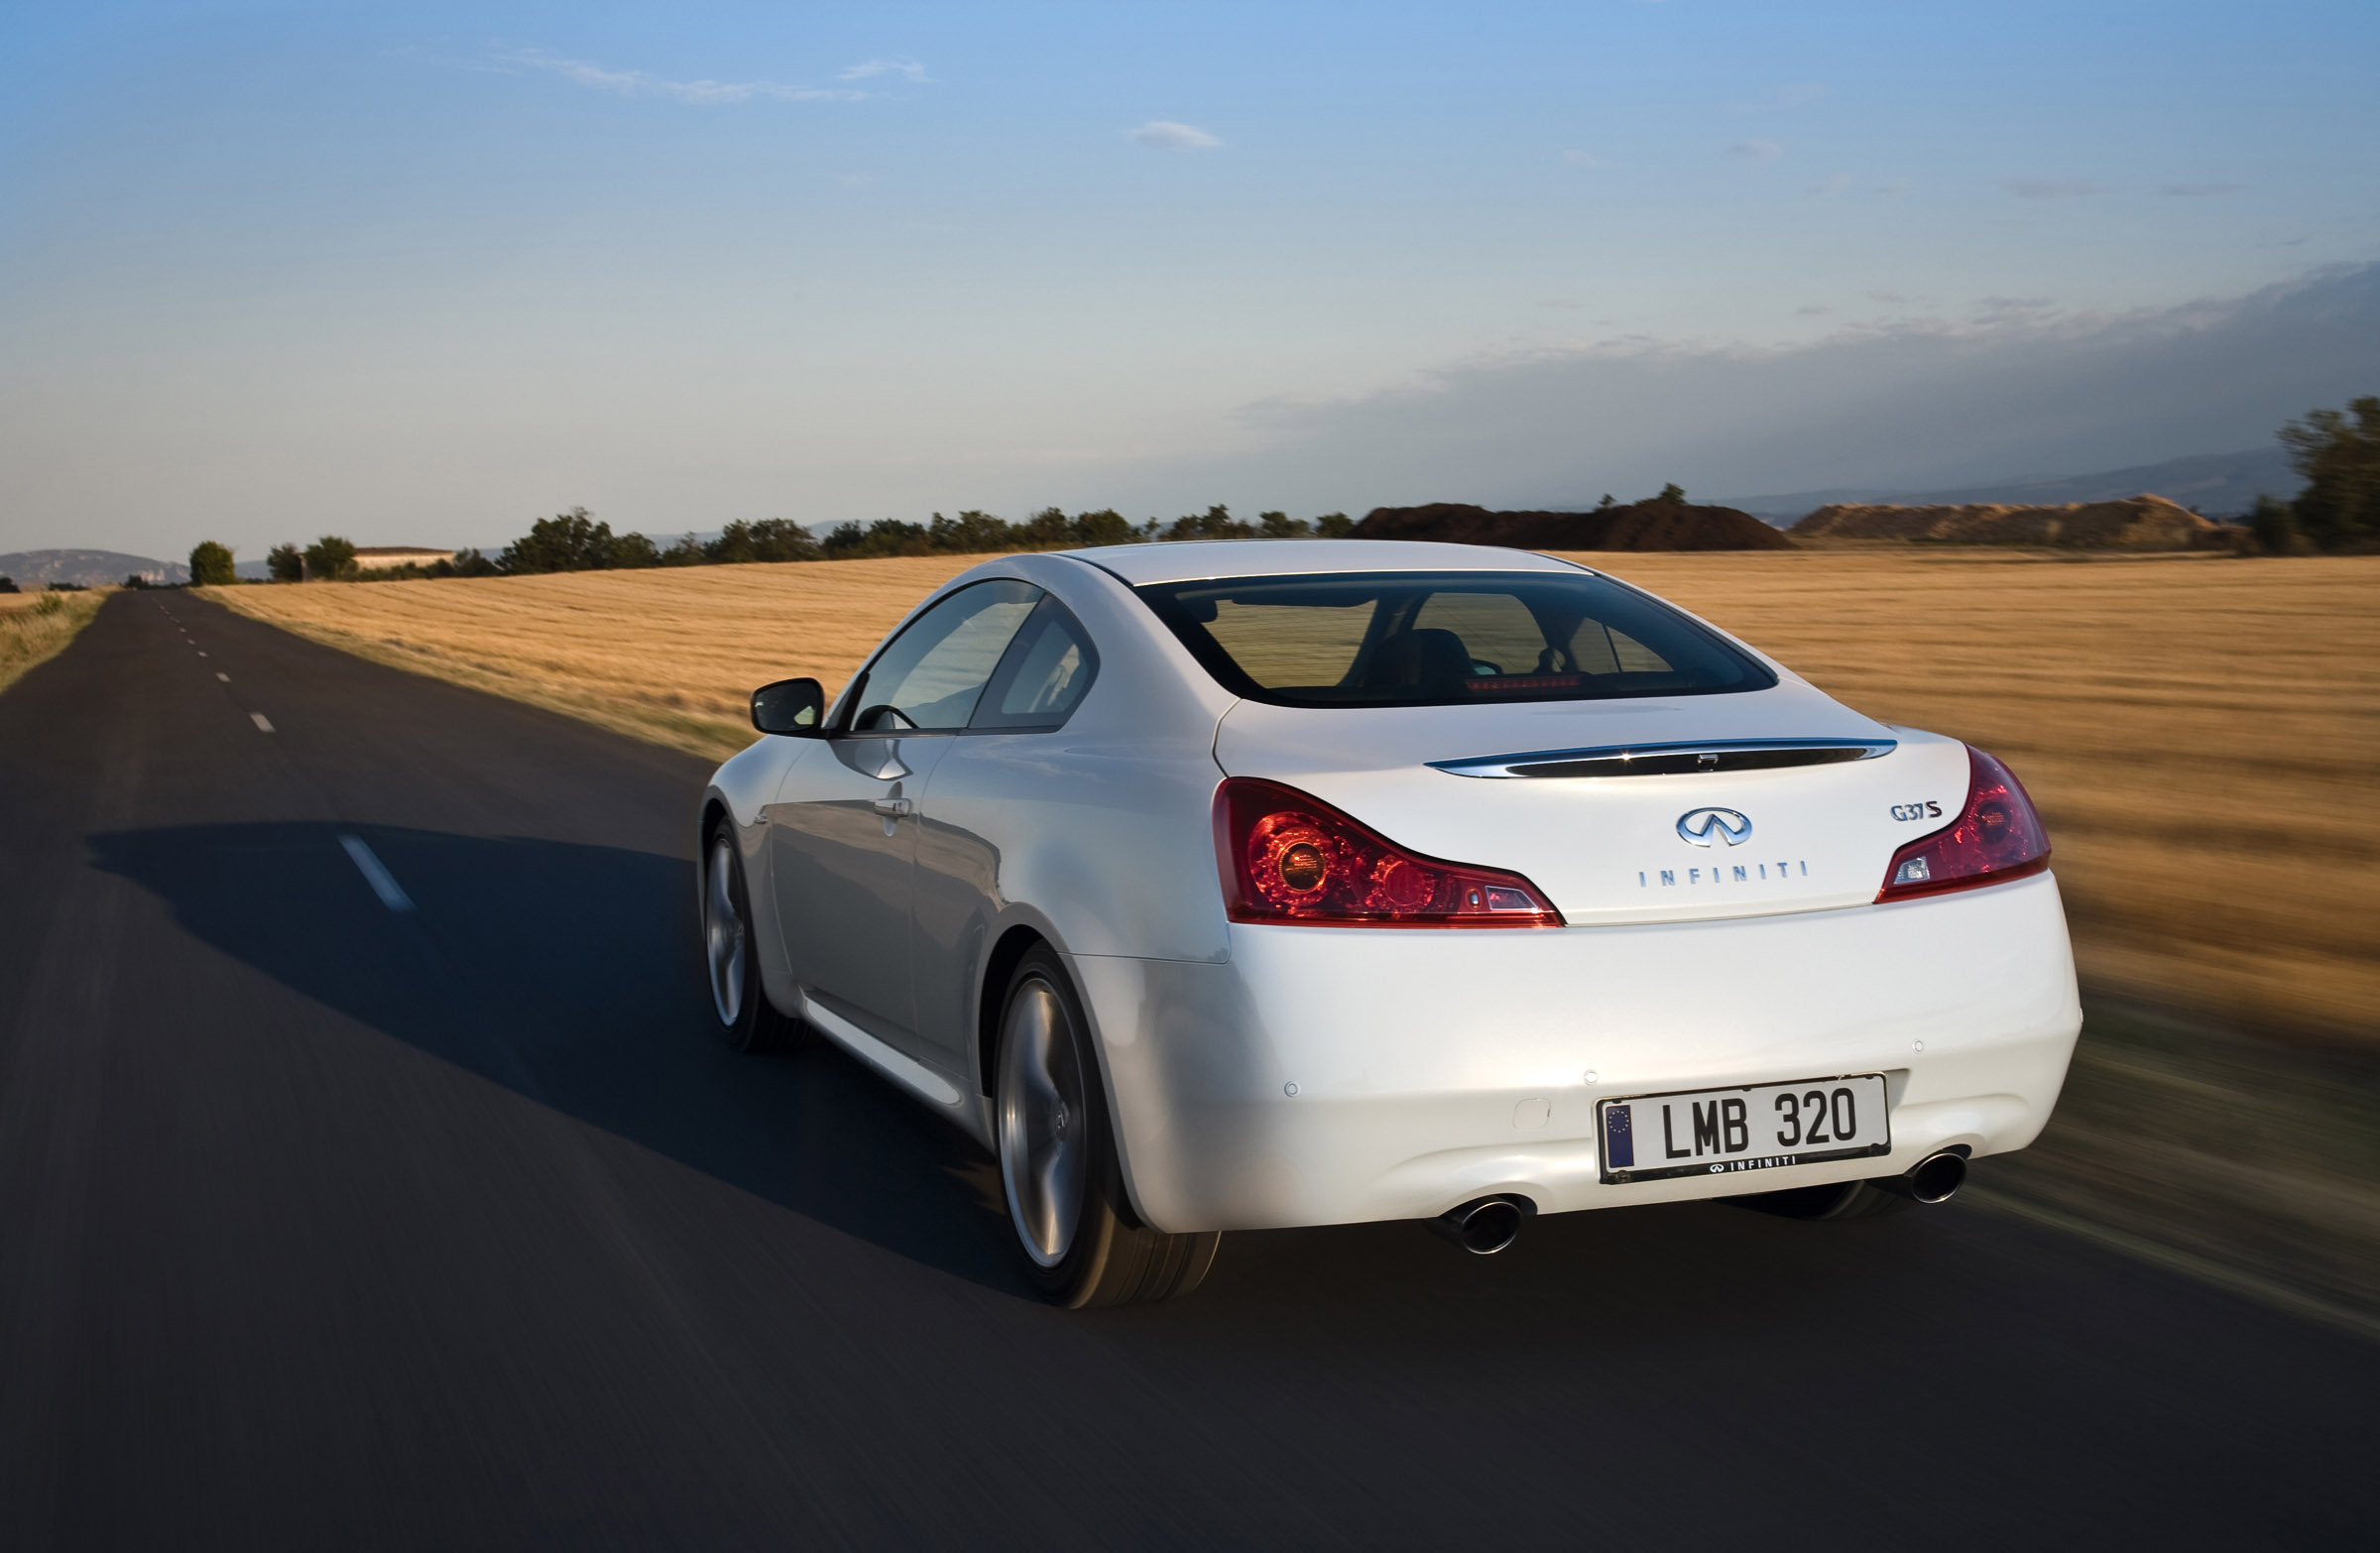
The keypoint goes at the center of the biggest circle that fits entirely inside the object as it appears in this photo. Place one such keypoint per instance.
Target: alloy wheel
(1044, 1122)
(723, 932)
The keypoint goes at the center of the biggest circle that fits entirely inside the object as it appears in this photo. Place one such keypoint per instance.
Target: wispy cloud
(906, 69)
(1166, 135)
(1584, 159)
(1758, 150)
(637, 84)
(2052, 188)
(1813, 310)
(2190, 190)
(2015, 309)
(1789, 96)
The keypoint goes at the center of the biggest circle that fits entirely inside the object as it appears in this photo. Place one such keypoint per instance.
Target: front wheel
(1081, 1245)
(745, 1018)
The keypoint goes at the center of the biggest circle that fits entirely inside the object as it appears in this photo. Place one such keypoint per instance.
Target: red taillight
(1287, 857)
(1997, 837)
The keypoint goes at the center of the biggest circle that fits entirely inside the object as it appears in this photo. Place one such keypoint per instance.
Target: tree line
(2337, 452)
(576, 540)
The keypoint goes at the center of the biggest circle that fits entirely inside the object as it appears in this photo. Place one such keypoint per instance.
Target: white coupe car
(1267, 882)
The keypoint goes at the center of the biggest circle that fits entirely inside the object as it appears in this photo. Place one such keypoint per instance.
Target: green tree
(330, 559)
(1216, 523)
(1104, 526)
(1335, 526)
(2340, 457)
(2274, 522)
(8, 585)
(770, 540)
(576, 541)
(1606, 504)
(211, 566)
(286, 563)
(471, 563)
(1280, 525)
(1672, 495)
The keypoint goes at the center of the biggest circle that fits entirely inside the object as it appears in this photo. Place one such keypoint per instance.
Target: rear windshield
(1443, 638)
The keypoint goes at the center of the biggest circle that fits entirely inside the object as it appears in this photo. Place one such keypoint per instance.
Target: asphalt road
(326, 1224)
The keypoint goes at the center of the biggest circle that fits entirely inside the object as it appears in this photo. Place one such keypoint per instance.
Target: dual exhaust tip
(1933, 1179)
(1486, 1224)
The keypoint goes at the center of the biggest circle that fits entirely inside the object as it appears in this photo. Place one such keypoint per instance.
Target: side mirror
(790, 706)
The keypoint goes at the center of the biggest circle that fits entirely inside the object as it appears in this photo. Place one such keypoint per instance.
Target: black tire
(740, 1007)
(1841, 1200)
(1075, 1230)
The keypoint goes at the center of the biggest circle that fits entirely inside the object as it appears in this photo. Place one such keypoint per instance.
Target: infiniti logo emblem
(1705, 827)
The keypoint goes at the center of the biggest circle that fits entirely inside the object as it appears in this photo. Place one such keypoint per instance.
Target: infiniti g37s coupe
(1255, 883)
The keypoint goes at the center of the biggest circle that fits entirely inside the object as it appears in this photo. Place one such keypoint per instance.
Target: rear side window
(1439, 639)
(1044, 676)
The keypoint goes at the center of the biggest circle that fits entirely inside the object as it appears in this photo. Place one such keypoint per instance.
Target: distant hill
(1641, 526)
(2137, 523)
(90, 569)
(2219, 485)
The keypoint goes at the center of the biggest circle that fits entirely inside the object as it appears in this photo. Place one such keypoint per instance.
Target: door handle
(895, 807)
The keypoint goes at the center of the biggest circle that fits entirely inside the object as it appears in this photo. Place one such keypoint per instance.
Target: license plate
(1762, 1126)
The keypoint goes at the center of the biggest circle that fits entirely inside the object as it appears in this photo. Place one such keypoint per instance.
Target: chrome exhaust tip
(1485, 1227)
(1933, 1179)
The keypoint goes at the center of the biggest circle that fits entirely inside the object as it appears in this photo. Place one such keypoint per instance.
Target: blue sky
(419, 274)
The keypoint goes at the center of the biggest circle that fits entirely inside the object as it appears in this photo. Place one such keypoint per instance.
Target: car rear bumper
(1335, 1075)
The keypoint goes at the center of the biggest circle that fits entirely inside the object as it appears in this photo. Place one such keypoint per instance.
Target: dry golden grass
(31, 634)
(2202, 733)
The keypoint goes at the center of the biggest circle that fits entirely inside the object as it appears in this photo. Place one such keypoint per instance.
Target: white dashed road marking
(219, 674)
(376, 874)
(263, 723)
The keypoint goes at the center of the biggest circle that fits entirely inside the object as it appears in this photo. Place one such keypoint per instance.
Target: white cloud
(637, 84)
(906, 69)
(2052, 188)
(1758, 150)
(1584, 159)
(2188, 189)
(1166, 135)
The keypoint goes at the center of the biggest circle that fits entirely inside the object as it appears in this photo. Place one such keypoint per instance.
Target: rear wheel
(1081, 1245)
(745, 1018)
(1841, 1200)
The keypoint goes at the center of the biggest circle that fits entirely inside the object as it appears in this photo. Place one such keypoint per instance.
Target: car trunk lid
(1668, 809)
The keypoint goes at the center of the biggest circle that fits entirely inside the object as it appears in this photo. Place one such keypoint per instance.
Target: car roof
(1191, 561)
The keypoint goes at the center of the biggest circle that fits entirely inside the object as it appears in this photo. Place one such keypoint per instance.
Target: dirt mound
(2139, 522)
(1642, 526)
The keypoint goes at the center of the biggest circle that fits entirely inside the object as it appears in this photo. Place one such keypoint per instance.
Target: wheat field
(31, 630)
(2202, 733)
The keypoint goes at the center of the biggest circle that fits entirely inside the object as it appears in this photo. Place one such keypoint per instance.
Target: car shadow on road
(568, 974)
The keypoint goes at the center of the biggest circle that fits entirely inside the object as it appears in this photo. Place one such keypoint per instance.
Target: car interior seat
(1418, 658)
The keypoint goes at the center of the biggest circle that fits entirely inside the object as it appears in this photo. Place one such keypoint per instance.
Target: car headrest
(1415, 658)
